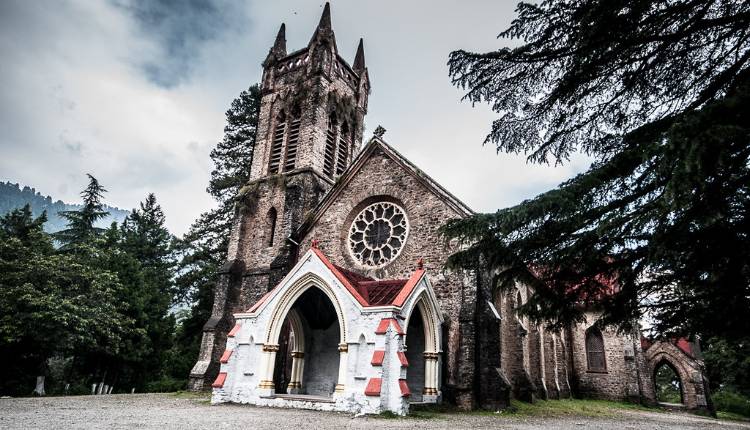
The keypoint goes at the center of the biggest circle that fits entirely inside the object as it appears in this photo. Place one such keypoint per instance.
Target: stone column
(295, 380)
(343, 355)
(430, 392)
(267, 363)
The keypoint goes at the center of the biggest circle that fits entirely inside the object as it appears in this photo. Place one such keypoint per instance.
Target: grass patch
(193, 395)
(571, 407)
(731, 416)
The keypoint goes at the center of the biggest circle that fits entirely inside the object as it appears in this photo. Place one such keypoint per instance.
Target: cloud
(179, 28)
(134, 92)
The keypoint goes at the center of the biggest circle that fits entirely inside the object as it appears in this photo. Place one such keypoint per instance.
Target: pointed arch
(430, 321)
(292, 141)
(344, 145)
(596, 359)
(329, 156)
(277, 143)
(664, 361)
(290, 296)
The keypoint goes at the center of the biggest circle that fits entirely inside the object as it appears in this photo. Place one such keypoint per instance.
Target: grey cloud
(179, 27)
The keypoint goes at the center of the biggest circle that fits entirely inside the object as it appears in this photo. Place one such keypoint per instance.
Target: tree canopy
(659, 94)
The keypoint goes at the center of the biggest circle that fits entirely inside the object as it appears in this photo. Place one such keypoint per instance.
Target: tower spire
(279, 46)
(325, 19)
(359, 58)
(324, 30)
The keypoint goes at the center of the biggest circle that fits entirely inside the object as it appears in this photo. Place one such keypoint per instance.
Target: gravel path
(165, 412)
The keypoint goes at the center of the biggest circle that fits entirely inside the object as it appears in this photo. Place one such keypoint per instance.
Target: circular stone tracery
(378, 234)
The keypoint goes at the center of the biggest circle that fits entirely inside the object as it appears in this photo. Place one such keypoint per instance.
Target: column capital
(343, 347)
(268, 347)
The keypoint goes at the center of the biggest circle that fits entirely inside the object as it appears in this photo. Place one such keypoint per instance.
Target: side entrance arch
(677, 375)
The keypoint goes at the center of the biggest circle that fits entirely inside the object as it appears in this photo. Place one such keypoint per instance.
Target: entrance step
(305, 398)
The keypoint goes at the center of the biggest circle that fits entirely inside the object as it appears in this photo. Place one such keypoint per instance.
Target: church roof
(377, 143)
(367, 291)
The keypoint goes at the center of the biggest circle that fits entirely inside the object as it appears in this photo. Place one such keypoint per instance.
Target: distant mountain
(12, 196)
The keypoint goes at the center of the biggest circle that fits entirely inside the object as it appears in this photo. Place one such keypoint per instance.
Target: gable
(378, 152)
(380, 174)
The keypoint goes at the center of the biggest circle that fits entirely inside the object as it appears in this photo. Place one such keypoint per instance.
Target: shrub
(730, 401)
(166, 385)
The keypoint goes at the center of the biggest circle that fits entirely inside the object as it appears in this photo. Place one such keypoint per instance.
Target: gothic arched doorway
(667, 383)
(308, 357)
(415, 349)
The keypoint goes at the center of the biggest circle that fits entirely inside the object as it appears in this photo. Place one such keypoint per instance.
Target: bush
(730, 401)
(166, 385)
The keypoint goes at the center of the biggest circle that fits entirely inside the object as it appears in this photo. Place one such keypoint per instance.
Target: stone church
(335, 296)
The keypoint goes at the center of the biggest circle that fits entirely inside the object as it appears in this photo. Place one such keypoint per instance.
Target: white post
(267, 363)
(430, 392)
(343, 356)
(295, 380)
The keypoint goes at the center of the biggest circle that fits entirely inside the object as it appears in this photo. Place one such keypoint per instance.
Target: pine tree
(204, 247)
(147, 263)
(81, 224)
(659, 94)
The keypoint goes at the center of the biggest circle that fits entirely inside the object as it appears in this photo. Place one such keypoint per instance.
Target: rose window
(378, 234)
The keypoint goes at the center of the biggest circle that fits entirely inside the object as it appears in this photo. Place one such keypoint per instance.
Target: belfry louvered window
(595, 350)
(292, 144)
(342, 158)
(277, 144)
(329, 159)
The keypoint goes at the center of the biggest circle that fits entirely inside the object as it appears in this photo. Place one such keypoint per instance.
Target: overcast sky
(134, 92)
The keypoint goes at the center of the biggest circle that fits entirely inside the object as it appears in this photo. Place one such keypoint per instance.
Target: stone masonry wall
(611, 384)
(381, 178)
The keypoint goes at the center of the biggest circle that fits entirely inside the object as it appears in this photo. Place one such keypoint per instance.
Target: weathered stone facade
(311, 180)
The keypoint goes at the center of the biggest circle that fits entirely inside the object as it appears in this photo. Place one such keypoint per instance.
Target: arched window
(271, 226)
(291, 144)
(342, 158)
(277, 144)
(330, 152)
(595, 350)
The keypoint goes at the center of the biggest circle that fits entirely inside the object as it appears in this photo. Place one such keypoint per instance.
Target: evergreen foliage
(659, 94)
(97, 310)
(204, 248)
(81, 228)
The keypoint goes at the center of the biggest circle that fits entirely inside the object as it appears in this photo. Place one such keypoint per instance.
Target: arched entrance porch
(305, 351)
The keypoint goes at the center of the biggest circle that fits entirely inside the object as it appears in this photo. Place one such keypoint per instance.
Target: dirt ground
(168, 411)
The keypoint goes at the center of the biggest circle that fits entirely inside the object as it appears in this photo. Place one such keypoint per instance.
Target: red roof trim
(405, 392)
(340, 276)
(377, 358)
(402, 359)
(219, 382)
(408, 288)
(383, 326)
(233, 332)
(373, 387)
(225, 357)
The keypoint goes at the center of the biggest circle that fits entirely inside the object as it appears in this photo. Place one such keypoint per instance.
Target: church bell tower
(310, 127)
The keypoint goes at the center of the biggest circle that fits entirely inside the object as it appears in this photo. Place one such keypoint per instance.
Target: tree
(204, 247)
(53, 305)
(81, 224)
(144, 260)
(658, 93)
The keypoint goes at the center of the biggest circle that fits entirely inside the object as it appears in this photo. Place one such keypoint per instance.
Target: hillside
(12, 196)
